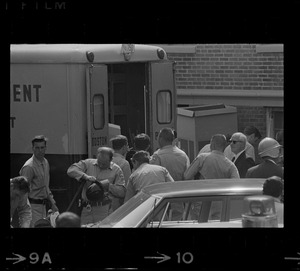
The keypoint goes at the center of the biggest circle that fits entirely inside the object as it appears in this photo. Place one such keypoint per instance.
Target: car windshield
(129, 211)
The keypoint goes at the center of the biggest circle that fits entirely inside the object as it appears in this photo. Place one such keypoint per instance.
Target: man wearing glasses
(250, 152)
(238, 147)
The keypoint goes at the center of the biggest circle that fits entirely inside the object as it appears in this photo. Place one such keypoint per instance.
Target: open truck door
(163, 99)
(97, 108)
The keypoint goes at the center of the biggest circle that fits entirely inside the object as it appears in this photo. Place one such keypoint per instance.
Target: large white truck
(77, 95)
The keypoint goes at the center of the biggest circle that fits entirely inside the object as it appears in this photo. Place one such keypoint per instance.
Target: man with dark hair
(169, 156)
(120, 146)
(213, 165)
(141, 142)
(173, 159)
(253, 137)
(145, 174)
(19, 189)
(273, 186)
(96, 170)
(37, 171)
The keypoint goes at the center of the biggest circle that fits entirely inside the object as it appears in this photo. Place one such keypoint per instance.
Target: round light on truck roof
(90, 56)
(160, 53)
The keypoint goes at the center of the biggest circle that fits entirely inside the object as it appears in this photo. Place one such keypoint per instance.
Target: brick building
(247, 76)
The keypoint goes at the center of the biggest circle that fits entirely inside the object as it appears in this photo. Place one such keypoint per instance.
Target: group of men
(120, 172)
(30, 193)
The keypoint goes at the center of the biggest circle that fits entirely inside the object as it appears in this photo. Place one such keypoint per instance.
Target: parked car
(186, 204)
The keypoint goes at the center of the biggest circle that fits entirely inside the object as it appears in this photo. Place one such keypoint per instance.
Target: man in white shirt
(145, 174)
(120, 147)
(170, 156)
(37, 171)
(213, 165)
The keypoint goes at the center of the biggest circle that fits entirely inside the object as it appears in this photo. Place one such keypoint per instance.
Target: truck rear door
(97, 108)
(163, 96)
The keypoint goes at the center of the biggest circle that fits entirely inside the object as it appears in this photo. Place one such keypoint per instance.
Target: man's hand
(88, 178)
(54, 208)
(91, 178)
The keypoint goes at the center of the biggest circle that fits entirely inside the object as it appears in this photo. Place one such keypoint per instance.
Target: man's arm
(77, 171)
(27, 172)
(188, 163)
(130, 192)
(118, 189)
(51, 199)
(192, 169)
(234, 173)
(126, 171)
(168, 177)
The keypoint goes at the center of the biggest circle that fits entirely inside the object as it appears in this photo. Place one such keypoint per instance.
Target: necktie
(233, 159)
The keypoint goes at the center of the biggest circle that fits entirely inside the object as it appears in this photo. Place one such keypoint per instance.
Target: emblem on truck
(127, 50)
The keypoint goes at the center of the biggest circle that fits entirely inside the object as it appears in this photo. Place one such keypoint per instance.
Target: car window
(127, 208)
(236, 208)
(191, 210)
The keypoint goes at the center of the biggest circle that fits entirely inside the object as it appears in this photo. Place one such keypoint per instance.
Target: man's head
(39, 146)
(139, 158)
(273, 186)
(165, 137)
(218, 142)
(141, 142)
(269, 148)
(19, 186)
(68, 220)
(120, 144)
(104, 157)
(238, 142)
(252, 134)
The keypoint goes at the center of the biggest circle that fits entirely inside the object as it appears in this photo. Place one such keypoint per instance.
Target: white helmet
(269, 147)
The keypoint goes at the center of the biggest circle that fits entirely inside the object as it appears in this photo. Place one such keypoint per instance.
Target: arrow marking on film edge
(161, 258)
(293, 258)
(19, 258)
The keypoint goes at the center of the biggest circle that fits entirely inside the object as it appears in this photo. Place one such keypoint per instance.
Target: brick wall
(252, 116)
(232, 67)
(228, 66)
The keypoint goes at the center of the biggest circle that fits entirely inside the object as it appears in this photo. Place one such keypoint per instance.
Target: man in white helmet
(269, 151)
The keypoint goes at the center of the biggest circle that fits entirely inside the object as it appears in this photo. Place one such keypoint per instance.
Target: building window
(275, 123)
(98, 111)
(164, 107)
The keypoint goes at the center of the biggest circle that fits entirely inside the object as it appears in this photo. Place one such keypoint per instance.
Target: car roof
(211, 187)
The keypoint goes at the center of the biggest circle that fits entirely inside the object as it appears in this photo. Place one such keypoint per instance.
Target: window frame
(103, 111)
(157, 106)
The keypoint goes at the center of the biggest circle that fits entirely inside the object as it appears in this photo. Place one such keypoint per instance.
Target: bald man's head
(68, 220)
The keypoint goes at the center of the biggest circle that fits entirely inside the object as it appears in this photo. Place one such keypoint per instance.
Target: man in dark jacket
(242, 162)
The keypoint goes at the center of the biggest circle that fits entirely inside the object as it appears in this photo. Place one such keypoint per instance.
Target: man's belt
(96, 203)
(38, 201)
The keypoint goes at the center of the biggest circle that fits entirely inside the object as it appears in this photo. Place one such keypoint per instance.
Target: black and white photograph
(153, 134)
